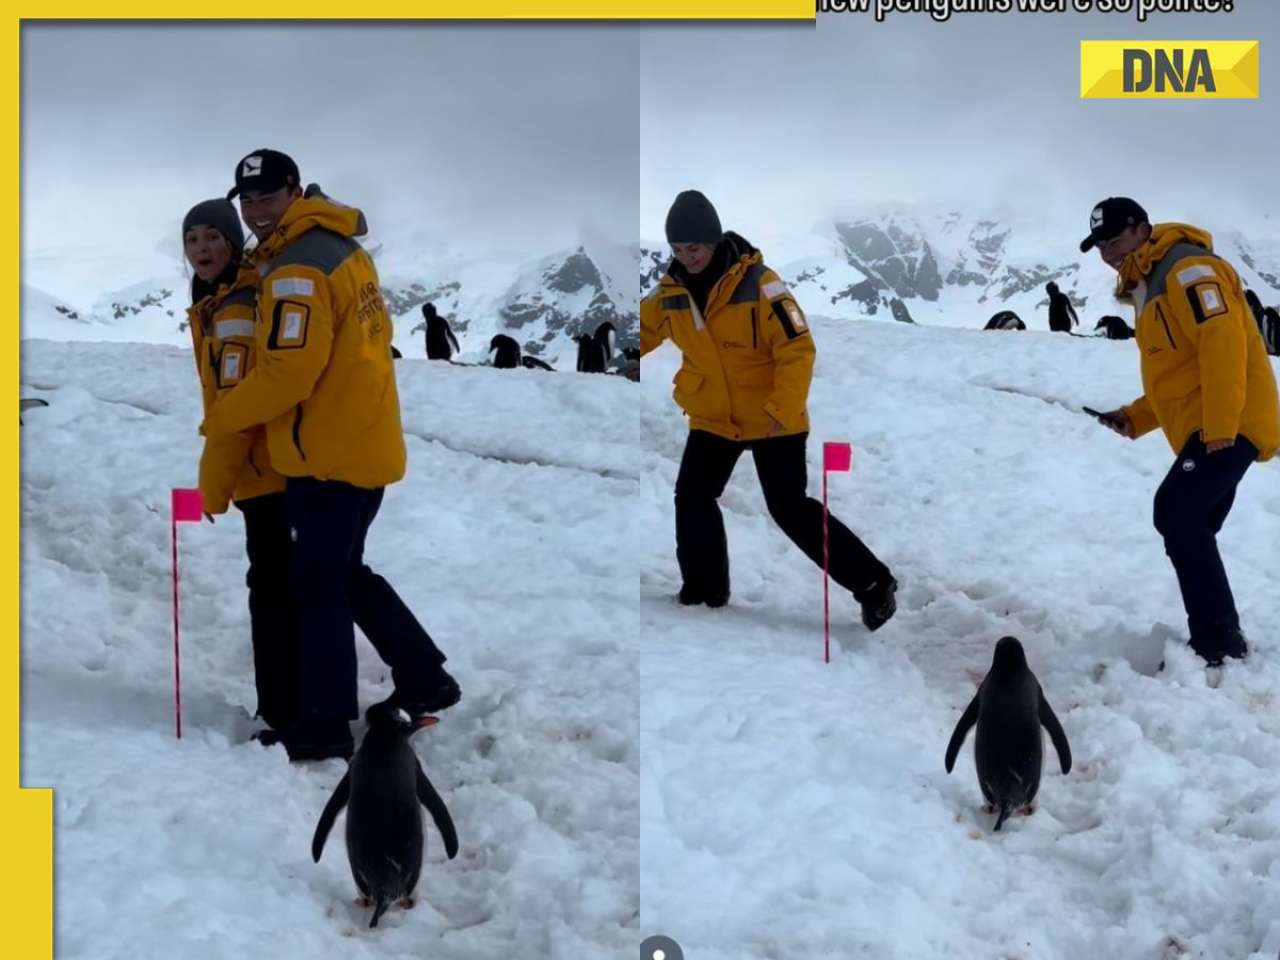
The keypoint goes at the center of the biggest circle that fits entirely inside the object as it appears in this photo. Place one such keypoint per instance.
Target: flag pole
(177, 674)
(826, 575)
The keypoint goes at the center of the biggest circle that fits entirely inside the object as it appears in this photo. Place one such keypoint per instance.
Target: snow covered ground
(504, 539)
(794, 809)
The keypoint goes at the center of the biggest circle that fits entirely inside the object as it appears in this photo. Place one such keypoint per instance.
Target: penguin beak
(425, 721)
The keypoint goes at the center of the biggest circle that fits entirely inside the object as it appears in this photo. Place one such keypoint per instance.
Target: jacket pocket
(1168, 332)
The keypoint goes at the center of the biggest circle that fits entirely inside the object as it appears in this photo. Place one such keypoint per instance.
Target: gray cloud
(492, 133)
(782, 126)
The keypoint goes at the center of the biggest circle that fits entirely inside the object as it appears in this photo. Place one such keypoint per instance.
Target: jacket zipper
(1167, 332)
(753, 328)
(252, 464)
(297, 432)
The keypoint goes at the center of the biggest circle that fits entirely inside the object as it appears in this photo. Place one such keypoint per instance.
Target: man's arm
(294, 337)
(1211, 314)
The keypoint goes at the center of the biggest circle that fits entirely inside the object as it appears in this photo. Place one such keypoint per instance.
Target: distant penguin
(1255, 304)
(1114, 328)
(504, 352)
(381, 790)
(632, 353)
(1062, 316)
(606, 342)
(1009, 709)
(441, 343)
(1271, 330)
(533, 363)
(588, 355)
(1005, 320)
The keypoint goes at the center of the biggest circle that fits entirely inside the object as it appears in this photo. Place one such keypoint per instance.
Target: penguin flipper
(330, 813)
(428, 797)
(453, 341)
(1049, 721)
(967, 720)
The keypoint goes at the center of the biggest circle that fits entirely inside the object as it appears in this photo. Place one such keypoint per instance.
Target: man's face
(261, 212)
(694, 257)
(1114, 251)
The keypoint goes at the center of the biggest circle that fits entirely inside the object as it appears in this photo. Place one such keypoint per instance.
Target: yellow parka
(324, 383)
(232, 466)
(1204, 365)
(748, 361)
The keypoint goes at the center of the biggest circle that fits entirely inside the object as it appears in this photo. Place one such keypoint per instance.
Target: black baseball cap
(265, 171)
(1111, 218)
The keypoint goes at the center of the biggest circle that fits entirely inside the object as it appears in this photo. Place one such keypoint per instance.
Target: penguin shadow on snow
(1009, 710)
(382, 791)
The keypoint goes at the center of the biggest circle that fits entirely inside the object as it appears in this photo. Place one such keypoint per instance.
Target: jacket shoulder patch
(1207, 301)
(288, 326)
(1196, 271)
(292, 287)
(774, 289)
(790, 317)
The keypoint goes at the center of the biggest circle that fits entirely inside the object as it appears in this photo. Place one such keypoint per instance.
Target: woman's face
(693, 256)
(207, 251)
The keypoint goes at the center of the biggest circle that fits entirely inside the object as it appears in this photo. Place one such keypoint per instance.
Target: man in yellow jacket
(744, 385)
(324, 385)
(1207, 383)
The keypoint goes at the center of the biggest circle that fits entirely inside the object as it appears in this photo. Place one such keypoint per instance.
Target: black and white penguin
(382, 790)
(1009, 709)
(504, 352)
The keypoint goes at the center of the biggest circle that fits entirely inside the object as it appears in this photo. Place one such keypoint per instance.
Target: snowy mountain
(958, 269)
(542, 302)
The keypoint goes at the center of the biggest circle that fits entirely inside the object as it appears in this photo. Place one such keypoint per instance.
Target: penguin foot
(407, 902)
(1028, 810)
(363, 902)
(989, 808)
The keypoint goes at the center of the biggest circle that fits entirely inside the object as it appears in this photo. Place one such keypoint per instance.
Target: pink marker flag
(186, 506)
(836, 458)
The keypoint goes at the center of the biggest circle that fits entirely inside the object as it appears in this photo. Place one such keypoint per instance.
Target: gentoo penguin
(504, 352)
(1009, 709)
(588, 354)
(606, 340)
(381, 790)
(441, 343)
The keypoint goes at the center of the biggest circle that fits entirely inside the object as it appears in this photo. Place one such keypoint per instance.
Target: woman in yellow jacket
(744, 384)
(237, 468)
(1207, 383)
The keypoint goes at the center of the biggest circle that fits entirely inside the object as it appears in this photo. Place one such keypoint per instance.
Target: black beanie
(223, 217)
(692, 219)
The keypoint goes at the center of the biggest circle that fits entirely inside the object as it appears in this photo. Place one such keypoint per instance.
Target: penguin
(1115, 328)
(1271, 330)
(504, 352)
(533, 363)
(606, 343)
(382, 789)
(1255, 306)
(1009, 709)
(586, 353)
(1005, 320)
(1062, 316)
(441, 343)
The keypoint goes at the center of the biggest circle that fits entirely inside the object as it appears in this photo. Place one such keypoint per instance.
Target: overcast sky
(522, 133)
(780, 127)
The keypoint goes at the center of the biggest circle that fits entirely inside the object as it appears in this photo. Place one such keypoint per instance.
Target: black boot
(319, 738)
(440, 693)
(692, 596)
(879, 603)
(1216, 645)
